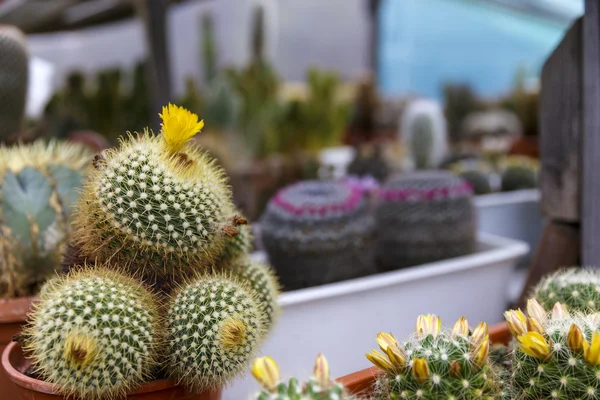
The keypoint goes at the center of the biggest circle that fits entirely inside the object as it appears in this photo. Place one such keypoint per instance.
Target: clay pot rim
(49, 388)
(25, 301)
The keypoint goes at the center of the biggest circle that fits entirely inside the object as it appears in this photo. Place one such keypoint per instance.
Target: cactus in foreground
(422, 217)
(438, 364)
(157, 204)
(94, 333)
(318, 232)
(215, 325)
(261, 278)
(557, 356)
(319, 387)
(14, 78)
(38, 188)
(576, 288)
(519, 172)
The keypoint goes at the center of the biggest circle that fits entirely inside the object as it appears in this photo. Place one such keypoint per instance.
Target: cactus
(319, 386)
(237, 246)
(157, 204)
(214, 327)
(94, 334)
(438, 364)
(578, 289)
(424, 133)
(318, 232)
(519, 172)
(422, 217)
(555, 356)
(261, 278)
(477, 172)
(372, 164)
(209, 51)
(14, 78)
(38, 184)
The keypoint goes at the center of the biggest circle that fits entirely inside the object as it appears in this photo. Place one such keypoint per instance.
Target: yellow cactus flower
(536, 311)
(420, 370)
(384, 340)
(178, 126)
(321, 370)
(534, 326)
(429, 324)
(481, 351)
(396, 356)
(480, 333)
(559, 311)
(535, 345)
(592, 353)
(266, 372)
(380, 360)
(516, 321)
(461, 327)
(575, 339)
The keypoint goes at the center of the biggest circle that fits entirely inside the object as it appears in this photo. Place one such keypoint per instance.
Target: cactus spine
(14, 78)
(577, 289)
(94, 333)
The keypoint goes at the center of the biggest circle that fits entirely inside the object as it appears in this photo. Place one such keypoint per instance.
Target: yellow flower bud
(535, 345)
(534, 326)
(380, 360)
(266, 372)
(592, 353)
(321, 371)
(481, 351)
(396, 356)
(559, 311)
(384, 340)
(178, 126)
(575, 339)
(420, 370)
(516, 321)
(536, 311)
(429, 324)
(461, 327)
(480, 333)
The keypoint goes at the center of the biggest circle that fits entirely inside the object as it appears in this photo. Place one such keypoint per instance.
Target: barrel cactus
(157, 204)
(319, 386)
(318, 232)
(38, 189)
(438, 364)
(518, 173)
(576, 288)
(94, 334)
(14, 78)
(214, 325)
(556, 356)
(424, 216)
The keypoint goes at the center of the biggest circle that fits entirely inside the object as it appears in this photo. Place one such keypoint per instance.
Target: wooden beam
(590, 221)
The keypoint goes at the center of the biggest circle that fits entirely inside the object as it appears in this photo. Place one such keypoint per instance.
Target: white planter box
(342, 319)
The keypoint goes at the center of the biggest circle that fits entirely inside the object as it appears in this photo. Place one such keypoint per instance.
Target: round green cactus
(556, 356)
(262, 279)
(519, 172)
(94, 333)
(576, 288)
(215, 325)
(438, 364)
(157, 204)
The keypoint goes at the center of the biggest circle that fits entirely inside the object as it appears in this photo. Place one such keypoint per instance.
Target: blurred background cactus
(479, 173)
(38, 190)
(576, 288)
(519, 172)
(14, 78)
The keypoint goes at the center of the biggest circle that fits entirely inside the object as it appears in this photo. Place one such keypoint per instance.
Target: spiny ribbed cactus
(14, 78)
(436, 364)
(261, 278)
(557, 356)
(38, 188)
(157, 204)
(215, 325)
(319, 386)
(238, 245)
(94, 333)
(519, 172)
(318, 232)
(576, 288)
(424, 216)
(424, 133)
(477, 172)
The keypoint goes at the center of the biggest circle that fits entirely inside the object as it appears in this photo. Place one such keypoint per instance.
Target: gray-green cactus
(14, 78)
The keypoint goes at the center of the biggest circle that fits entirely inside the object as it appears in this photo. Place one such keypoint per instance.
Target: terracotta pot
(13, 313)
(362, 382)
(27, 388)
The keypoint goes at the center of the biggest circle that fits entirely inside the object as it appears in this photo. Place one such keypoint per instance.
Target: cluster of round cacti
(318, 232)
(576, 288)
(438, 364)
(519, 172)
(424, 216)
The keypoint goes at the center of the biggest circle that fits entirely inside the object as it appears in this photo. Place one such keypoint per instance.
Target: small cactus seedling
(319, 386)
(94, 333)
(557, 356)
(157, 204)
(437, 364)
(215, 325)
(38, 185)
(576, 288)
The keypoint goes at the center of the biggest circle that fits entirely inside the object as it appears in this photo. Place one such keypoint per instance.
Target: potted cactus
(159, 299)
